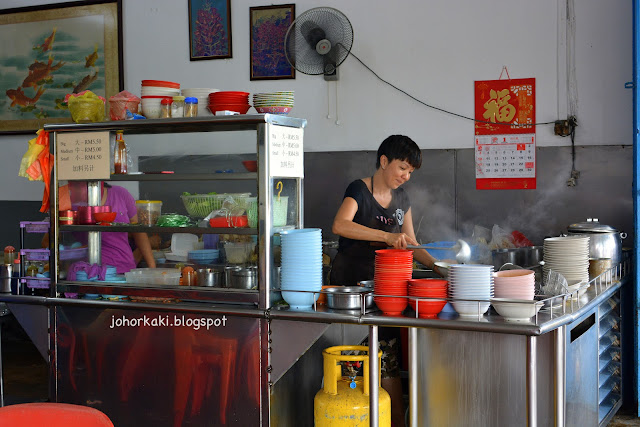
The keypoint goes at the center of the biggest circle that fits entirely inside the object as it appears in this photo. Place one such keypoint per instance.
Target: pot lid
(591, 225)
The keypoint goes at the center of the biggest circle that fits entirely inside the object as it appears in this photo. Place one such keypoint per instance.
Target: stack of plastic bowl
(237, 102)
(273, 102)
(203, 256)
(301, 266)
(469, 283)
(427, 296)
(393, 268)
(153, 92)
(569, 256)
(202, 93)
(514, 284)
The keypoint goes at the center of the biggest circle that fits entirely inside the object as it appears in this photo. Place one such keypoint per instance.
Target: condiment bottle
(190, 106)
(9, 254)
(120, 155)
(165, 108)
(177, 106)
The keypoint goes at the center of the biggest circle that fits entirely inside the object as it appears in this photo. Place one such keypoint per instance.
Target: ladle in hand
(461, 248)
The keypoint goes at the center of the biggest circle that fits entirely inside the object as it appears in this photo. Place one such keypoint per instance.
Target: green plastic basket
(201, 205)
(280, 208)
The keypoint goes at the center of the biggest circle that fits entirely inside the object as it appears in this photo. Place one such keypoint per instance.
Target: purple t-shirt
(116, 250)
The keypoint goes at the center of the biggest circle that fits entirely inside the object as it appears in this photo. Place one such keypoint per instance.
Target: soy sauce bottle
(120, 155)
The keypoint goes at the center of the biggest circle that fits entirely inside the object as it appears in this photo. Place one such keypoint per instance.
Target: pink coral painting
(209, 29)
(269, 25)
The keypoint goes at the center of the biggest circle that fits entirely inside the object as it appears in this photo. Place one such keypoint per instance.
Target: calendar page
(505, 161)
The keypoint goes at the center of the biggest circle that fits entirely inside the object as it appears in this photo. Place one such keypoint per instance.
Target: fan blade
(312, 33)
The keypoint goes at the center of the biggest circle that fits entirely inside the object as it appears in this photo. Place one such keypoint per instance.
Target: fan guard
(318, 41)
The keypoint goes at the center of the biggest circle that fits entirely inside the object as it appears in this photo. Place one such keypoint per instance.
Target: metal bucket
(6, 271)
(525, 257)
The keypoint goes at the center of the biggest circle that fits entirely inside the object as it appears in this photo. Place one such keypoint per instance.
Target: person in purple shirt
(116, 250)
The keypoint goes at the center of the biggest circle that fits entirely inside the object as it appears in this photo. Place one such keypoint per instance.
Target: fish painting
(40, 72)
(91, 59)
(48, 42)
(18, 97)
(86, 81)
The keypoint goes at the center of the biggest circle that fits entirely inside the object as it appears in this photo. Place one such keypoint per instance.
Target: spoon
(461, 248)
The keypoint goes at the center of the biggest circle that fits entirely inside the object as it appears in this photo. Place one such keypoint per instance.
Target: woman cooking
(376, 213)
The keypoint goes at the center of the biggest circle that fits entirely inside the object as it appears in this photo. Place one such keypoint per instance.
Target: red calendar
(505, 139)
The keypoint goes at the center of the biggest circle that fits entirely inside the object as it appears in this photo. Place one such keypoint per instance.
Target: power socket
(562, 128)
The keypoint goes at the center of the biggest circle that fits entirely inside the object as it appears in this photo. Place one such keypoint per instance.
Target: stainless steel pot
(604, 240)
(209, 277)
(243, 278)
(348, 297)
(6, 271)
(525, 256)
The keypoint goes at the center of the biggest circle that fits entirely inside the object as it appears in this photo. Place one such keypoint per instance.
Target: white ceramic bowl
(151, 107)
(516, 310)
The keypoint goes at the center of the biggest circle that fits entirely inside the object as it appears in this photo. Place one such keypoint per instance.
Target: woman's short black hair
(402, 148)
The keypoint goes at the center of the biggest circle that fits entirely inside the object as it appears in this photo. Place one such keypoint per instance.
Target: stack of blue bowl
(301, 269)
(112, 276)
(203, 256)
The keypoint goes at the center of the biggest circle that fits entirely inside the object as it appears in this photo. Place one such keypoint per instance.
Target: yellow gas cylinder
(344, 401)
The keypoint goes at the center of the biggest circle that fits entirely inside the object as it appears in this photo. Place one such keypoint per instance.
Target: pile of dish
(273, 102)
(429, 296)
(472, 287)
(203, 256)
(393, 269)
(301, 266)
(153, 92)
(229, 101)
(514, 290)
(202, 95)
(569, 256)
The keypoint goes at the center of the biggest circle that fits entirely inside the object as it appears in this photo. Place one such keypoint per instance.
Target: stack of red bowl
(393, 268)
(429, 296)
(229, 101)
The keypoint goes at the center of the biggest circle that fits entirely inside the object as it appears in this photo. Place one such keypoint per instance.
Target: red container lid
(161, 83)
(166, 101)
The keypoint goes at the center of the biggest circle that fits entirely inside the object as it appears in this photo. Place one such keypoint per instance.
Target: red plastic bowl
(238, 108)
(250, 165)
(105, 217)
(391, 306)
(427, 309)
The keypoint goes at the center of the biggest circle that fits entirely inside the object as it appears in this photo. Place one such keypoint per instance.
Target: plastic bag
(500, 238)
(85, 106)
(30, 157)
(520, 240)
(120, 103)
(555, 284)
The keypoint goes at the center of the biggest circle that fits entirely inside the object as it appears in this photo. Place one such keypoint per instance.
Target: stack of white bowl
(301, 266)
(202, 94)
(152, 92)
(470, 282)
(569, 256)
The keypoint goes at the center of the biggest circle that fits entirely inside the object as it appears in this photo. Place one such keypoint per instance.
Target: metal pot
(348, 297)
(209, 277)
(242, 278)
(604, 240)
(525, 257)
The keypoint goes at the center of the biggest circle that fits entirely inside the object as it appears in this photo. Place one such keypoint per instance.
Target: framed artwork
(268, 27)
(52, 50)
(209, 29)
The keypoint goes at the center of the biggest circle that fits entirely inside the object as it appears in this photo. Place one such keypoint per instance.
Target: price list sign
(83, 156)
(505, 139)
(286, 154)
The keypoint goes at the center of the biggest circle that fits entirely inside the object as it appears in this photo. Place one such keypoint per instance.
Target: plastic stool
(52, 415)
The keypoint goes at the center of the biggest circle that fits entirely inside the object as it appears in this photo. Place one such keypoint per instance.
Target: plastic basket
(201, 205)
(35, 254)
(35, 226)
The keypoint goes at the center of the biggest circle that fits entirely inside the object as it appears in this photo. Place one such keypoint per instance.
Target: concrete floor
(26, 373)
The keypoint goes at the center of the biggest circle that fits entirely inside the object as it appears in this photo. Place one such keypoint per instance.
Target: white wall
(434, 50)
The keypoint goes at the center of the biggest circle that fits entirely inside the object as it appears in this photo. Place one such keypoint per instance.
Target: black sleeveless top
(355, 259)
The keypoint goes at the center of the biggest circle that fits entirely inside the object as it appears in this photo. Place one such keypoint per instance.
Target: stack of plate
(301, 266)
(470, 282)
(202, 94)
(273, 102)
(229, 101)
(203, 256)
(569, 256)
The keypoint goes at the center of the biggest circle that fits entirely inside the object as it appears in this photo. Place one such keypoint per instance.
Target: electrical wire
(442, 109)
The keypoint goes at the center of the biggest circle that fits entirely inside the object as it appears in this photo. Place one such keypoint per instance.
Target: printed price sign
(83, 156)
(286, 154)
(505, 139)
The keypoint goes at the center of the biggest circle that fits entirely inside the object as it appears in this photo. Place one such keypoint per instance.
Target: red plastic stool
(52, 415)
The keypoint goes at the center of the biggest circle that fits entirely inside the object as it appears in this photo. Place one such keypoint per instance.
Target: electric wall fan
(318, 41)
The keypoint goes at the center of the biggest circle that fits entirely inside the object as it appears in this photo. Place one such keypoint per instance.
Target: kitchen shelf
(609, 358)
(147, 229)
(185, 176)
